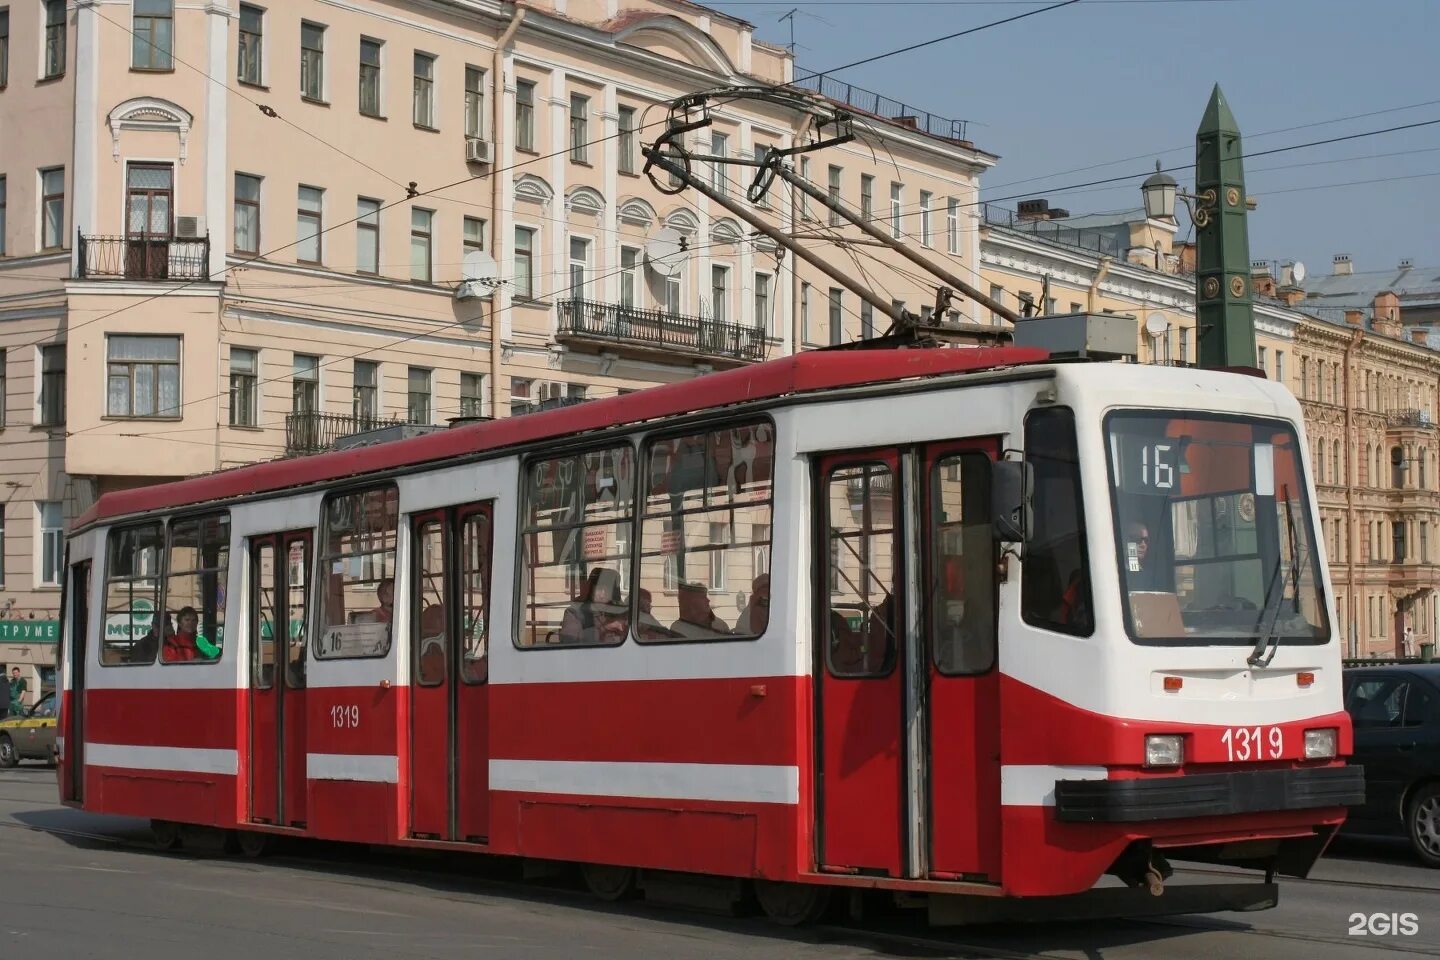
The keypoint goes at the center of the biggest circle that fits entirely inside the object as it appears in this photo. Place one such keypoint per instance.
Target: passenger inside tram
(697, 619)
(756, 615)
(385, 594)
(188, 643)
(598, 616)
(649, 628)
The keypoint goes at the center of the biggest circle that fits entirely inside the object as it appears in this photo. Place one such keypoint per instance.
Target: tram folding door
(73, 713)
(280, 600)
(449, 689)
(908, 708)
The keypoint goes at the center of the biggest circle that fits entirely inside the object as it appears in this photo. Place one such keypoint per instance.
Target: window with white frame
(472, 395)
(520, 395)
(52, 208)
(763, 318)
(719, 147)
(525, 115)
(421, 226)
(371, 87)
(629, 277)
(305, 384)
(152, 32)
(312, 61)
(142, 376)
(52, 385)
(474, 101)
(247, 213)
(719, 540)
(867, 320)
(867, 197)
(674, 294)
(925, 197)
(834, 190)
(473, 238)
(805, 197)
(418, 405)
(627, 140)
(423, 98)
(250, 57)
(952, 226)
(579, 267)
(308, 215)
(50, 516)
(367, 235)
(244, 378)
(837, 315)
(579, 128)
(805, 312)
(997, 293)
(524, 285)
(365, 390)
(896, 193)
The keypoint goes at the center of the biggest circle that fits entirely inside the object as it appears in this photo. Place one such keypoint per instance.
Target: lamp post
(1224, 305)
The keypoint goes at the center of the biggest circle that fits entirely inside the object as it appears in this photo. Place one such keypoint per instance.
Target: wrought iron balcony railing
(310, 431)
(1411, 418)
(144, 258)
(632, 326)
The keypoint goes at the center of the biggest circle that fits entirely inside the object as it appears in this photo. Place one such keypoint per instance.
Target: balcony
(144, 258)
(1411, 418)
(657, 332)
(313, 432)
(882, 106)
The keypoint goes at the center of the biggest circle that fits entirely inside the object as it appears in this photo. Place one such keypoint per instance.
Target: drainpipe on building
(497, 100)
(1102, 270)
(1350, 478)
(797, 332)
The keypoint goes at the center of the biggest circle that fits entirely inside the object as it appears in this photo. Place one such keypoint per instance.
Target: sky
(1104, 80)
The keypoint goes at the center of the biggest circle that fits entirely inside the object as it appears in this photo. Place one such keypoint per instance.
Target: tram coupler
(1141, 866)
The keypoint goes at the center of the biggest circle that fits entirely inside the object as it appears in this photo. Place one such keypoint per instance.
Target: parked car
(1395, 710)
(30, 736)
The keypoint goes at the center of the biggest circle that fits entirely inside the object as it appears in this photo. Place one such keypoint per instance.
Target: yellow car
(29, 736)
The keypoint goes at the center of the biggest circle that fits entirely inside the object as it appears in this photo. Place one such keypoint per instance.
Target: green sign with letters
(29, 631)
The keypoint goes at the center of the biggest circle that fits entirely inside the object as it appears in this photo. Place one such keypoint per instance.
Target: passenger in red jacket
(186, 643)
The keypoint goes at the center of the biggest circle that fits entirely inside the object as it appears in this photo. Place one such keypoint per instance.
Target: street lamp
(1160, 191)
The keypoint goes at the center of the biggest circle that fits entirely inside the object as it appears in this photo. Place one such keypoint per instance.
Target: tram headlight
(1320, 744)
(1164, 750)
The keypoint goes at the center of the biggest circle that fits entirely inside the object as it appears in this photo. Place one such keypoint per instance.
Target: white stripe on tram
(364, 767)
(171, 759)
(662, 781)
(1034, 785)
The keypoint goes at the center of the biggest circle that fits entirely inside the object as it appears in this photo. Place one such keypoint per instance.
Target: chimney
(1033, 210)
(1292, 296)
(1343, 266)
(1387, 314)
(1421, 336)
(1406, 264)
(1356, 318)
(1261, 279)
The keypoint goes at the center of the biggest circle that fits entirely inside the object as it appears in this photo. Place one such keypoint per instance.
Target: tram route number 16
(345, 716)
(1157, 467)
(1253, 743)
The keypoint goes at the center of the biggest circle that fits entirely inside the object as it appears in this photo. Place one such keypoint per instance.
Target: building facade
(232, 232)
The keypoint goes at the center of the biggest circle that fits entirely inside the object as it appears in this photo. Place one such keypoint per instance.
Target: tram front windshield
(1213, 527)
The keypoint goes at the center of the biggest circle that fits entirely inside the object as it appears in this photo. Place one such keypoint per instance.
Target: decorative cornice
(150, 114)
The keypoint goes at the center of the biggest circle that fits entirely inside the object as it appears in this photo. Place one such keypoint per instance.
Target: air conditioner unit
(190, 228)
(477, 150)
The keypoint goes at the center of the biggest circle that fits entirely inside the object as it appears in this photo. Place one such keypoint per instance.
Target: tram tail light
(1320, 744)
(1164, 750)
(1305, 679)
(1173, 683)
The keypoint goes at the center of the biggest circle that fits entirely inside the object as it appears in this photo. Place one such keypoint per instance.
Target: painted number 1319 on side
(1253, 743)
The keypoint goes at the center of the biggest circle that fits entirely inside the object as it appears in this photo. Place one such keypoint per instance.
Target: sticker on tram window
(1253, 743)
(354, 640)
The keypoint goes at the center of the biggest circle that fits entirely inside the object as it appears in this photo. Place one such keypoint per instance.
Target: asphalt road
(76, 886)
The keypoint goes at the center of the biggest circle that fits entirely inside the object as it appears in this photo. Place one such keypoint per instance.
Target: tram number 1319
(1253, 743)
(345, 716)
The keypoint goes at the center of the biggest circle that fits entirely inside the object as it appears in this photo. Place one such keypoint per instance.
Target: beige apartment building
(232, 232)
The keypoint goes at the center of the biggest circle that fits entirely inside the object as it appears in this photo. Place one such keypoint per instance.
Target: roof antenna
(791, 17)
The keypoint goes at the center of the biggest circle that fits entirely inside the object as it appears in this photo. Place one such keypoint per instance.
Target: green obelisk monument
(1224, 308)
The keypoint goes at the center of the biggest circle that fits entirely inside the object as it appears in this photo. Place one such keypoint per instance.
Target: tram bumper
(1187, 796)
(1103, 903)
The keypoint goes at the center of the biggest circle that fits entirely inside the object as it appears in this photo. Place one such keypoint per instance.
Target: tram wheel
(166, 834)
(252, 843)
(609, 882)
(791, 904)
(1422, 822)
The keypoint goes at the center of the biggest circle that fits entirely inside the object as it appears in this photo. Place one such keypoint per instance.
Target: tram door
(449, 673)
(280, 599)
(908, 720)
(78, 611)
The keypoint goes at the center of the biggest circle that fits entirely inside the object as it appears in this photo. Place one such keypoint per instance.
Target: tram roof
(800, 373)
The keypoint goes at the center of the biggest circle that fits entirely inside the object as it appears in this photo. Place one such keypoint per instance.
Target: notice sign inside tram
(354, 640)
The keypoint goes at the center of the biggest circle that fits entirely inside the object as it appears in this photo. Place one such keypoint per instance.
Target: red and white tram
(964, 623)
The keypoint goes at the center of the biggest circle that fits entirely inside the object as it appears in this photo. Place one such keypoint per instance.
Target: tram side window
(705, 534)
(576, 543)
(297, 582)
(431, 629)
(860, 614)
(262, 647)
(962, 614)
(1055, 585)
(199, 552)
(132, 596)
(475, 587)
(357, 561)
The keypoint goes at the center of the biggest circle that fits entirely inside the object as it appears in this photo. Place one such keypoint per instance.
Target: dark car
(1395, 710)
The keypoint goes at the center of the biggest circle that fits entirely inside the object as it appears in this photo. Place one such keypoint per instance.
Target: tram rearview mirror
(1012, 484)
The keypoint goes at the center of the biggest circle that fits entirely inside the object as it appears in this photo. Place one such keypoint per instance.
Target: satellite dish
(479, 274)
(1298, 271)
(1155, 325)
(665, 252)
